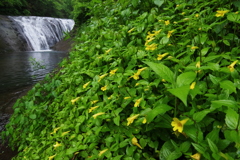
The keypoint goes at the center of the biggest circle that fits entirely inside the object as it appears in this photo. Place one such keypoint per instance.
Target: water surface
(20, 69)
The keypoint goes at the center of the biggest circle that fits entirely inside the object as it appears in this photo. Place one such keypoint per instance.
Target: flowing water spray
(41, 33)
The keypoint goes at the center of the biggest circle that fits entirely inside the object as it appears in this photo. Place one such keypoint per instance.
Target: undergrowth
(150, 79)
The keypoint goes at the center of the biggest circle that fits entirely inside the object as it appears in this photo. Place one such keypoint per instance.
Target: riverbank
(7, 101)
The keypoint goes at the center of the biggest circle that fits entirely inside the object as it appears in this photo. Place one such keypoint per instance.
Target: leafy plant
(147, 80)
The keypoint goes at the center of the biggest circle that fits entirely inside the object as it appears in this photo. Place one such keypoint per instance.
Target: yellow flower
(196, 156)
(57, 145)
(161, 56)
(93, 102)
(149, 40)
(101, 152)
(182, 13)
(51, 157)
(131, 30)
(108, 51)
(199, 29)
(74, 100)
(137, 84)
(163, 80)
(175, 22)
(135, 76)
(97, 114)
(151, 47)
(64, 133)
(102, 76)
(231, 66)
(144, 120)
(198, 65)
(137, 103)
(178, 125)
(135, 142)
(86, 84)
(236, 12)
(104, 88)
(177, 5)
(170, 33)
(156, 32)
(197, 15)
(221, 13)
(112, 72)
(131, 119)
(193, 85)
(194, 47)
(140, 70)
(127, 97)
(55, 130)
(92, 108)
(167, 22)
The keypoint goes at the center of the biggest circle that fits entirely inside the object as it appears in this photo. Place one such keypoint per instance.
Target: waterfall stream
(41, 33)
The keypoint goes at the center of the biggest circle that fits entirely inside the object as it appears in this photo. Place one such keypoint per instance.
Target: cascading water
(41, 33)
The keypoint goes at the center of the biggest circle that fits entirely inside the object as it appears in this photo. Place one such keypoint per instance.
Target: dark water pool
(21, 69)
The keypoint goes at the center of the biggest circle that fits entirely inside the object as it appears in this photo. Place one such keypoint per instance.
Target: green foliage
(50, 8)
(139, 72)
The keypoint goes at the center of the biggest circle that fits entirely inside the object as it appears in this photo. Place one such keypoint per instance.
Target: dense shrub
(148, 79)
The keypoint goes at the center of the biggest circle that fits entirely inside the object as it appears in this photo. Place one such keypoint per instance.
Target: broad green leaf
(214, 135)
(158, 2)
(181, 93)
(160, 109)
(174, 155)
(164, 40)
(228, 85)
(200, 115)
(215, 80)
(199, 148)
(195, 134)
(226, 42)
(203, 38)
(228, 103)
(233, 17)
(162, 70)
(232, 118)
(204, 51)
(33, 116)
(185, 78)
(166, 150)
(116, 120)
(130, 150)
(134, 3)
(212, 146)
(184, 147)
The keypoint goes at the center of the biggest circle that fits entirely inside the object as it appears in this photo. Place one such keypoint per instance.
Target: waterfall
(41, 33)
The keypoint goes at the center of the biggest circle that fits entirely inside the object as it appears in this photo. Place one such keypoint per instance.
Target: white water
(41, 33)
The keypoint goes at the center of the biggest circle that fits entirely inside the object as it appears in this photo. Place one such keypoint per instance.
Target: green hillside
(151, 79)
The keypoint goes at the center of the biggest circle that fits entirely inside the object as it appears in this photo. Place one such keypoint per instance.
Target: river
(22, 69)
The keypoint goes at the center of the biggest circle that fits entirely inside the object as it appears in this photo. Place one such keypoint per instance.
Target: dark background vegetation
(49, 8)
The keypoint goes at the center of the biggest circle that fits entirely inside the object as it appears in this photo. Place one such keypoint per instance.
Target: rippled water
(20, 69)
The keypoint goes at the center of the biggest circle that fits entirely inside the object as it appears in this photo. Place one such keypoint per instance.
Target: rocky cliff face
(10, 39)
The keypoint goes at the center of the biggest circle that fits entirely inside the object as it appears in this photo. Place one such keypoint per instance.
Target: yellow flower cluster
(150, 37)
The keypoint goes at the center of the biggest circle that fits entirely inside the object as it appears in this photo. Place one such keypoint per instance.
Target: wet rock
(10, 39)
